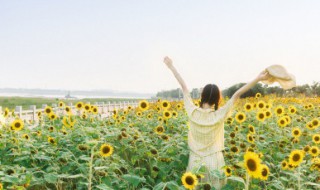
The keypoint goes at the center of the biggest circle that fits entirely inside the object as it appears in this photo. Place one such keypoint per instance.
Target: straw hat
(279, 74)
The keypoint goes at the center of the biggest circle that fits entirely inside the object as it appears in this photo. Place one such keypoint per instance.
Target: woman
(206, 132)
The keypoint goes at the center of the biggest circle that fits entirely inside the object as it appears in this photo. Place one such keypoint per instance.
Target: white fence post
(19, 110)
(34, 112)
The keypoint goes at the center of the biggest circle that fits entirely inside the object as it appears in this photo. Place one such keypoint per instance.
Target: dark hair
(211, 95)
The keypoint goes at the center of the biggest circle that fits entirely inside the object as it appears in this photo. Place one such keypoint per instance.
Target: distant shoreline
(63, 96)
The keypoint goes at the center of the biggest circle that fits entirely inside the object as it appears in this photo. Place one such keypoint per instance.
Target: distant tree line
(306, 89)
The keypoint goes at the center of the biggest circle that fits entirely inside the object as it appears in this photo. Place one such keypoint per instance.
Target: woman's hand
(264, 75)
(168, 62)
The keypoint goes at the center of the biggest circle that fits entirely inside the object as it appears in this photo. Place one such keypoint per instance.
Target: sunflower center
(51, 141)
(189, 180)
(240, 117)
(264, 172)
(143, 105)
(282, 122)
(261, 115)
(296, 157)
(279, 111)
(48, 110)
(317, 138)
(284, 164)
(313, 150)
(17, 125)
(315, 122)
(252, 165)
(296, 132)
(106, 150)
(167, 114)
(228, 170)
(165, 104)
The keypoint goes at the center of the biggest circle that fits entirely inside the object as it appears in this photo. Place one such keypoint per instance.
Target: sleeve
(226, 110)
(188, 103)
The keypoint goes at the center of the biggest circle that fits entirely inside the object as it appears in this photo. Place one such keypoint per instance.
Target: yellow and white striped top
(206, 133)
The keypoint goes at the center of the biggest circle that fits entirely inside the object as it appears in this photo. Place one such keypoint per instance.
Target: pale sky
(120, 45)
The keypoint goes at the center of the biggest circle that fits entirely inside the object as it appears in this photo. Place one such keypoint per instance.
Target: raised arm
(262, 76)
(183, 85)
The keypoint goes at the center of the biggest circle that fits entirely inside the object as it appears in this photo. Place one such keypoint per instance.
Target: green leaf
(172, 185)
(133, 179)
(70, 176)
(11, 179)
(313, 184)
(103, 187)
(238, 179)
(51, 178)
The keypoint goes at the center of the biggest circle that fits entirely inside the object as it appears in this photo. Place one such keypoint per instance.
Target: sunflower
(48, 110)
(282, 122)
(251, 129)
(296, 157)
(189, 180)
(6, 112)
(165, 104)
(68, 109)
(159, 130)
(258, 95)
(315, 122)
(261, 116)
(310, 126)
(51, 140)
(268, 113)
(17, 125)
(234, 149)
(250, 138)
(26, 136)
(61, 104)
(240, 117)
(248, 107)
(314, 151)
(252, 164)
(264, 173)
(94, 110)
(79, 105)
(53, 116)
(143, 105)
(139, 114)
(279, 110)
(292, 110)
(306, 148)
(316, 138)
(296, 132)
(284, 165)
(106, 150)
(174, 114)
(87, 107)
(261, 105)
(227, 171)
(167, 114)
(179, 106)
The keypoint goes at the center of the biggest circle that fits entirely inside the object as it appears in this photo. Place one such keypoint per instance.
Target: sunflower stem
(247, 181)
(90, 168)
(299, 180)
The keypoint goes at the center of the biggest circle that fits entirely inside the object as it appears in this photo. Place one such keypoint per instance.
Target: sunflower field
(271, 143)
